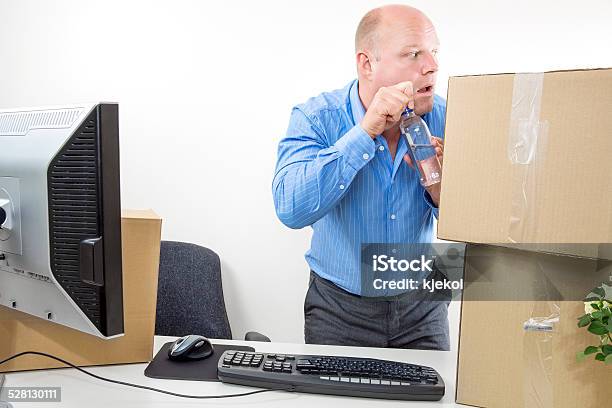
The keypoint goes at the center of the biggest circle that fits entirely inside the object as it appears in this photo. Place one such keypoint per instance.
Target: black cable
(144, 387)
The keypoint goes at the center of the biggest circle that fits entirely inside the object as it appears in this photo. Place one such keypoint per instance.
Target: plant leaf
(584, 321)
(606, 349)
(600, 357)
(595, 306)
(597, 315)
(598, 328)
(608, 359)
(591, 350)
(599, 292)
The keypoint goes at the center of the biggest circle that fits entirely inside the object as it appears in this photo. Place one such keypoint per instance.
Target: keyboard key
(306, 366)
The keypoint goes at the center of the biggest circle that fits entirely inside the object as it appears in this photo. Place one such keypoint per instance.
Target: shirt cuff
(357, 147)
(431, 204)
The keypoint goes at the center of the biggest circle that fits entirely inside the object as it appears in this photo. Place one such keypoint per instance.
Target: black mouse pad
(196, 370)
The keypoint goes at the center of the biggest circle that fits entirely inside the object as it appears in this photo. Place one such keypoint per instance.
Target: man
(344, 170)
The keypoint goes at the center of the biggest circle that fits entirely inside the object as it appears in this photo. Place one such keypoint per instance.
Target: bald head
(395, 44)
(369, 31)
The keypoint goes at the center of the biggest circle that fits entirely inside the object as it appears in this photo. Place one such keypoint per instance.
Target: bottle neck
(408, 113)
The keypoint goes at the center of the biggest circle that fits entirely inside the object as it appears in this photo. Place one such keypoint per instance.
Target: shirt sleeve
(311, 176)
(430, 203)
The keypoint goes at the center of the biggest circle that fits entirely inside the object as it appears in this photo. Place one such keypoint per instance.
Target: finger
(401, 96)
(408, 160)
(406, 88)
(439, 152)
(397, 102)
(436, 141)
(394, 105)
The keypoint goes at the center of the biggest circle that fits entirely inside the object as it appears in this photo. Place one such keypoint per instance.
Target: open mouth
(426, 89)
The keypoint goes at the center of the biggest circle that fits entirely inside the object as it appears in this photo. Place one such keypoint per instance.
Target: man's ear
(364, 64)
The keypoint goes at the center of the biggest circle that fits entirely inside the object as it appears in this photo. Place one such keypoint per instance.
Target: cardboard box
(502, 365)
(528, 159)
(141, 234)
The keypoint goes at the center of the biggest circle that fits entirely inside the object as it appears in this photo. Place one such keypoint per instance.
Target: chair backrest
(190, 293)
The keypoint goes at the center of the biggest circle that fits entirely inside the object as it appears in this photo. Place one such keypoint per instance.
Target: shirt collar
(357, 109)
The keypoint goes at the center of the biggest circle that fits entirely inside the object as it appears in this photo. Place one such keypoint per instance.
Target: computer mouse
(191, 347)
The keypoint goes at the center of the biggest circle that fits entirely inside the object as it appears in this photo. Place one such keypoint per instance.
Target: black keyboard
(350, 376)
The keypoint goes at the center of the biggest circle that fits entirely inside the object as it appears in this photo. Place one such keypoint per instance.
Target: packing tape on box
(527, 141)
(538, 332)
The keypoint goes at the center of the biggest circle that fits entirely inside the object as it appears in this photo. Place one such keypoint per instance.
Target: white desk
(80, 390)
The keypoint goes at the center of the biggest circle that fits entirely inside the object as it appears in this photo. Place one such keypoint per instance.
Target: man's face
(407, 51)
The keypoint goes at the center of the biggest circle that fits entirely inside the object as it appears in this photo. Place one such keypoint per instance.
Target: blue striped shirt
(330, 174)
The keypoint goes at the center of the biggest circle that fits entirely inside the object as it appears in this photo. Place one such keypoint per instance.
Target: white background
(205, 91)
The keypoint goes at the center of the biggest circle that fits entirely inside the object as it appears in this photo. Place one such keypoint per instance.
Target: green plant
(598, 320)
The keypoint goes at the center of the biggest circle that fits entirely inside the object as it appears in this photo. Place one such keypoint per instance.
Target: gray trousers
(336, 317)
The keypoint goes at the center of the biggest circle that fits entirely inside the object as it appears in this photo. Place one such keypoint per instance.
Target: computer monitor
(60, 217)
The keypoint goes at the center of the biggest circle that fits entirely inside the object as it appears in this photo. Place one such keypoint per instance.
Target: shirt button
(366, 156)
(341, 186)
(381, 148)
(392, 216)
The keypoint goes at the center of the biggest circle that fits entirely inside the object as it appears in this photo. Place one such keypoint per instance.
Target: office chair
(190, 293)
(3, 404)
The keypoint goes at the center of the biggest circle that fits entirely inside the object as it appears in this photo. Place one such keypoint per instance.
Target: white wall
(205, 90)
